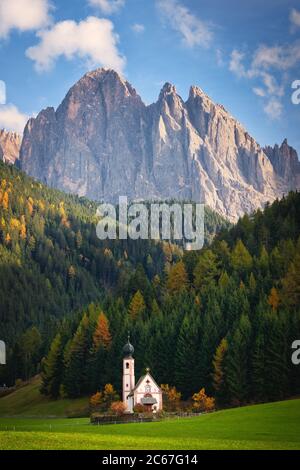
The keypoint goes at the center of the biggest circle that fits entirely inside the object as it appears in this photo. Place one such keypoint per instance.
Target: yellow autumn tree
(72, 272)
(102, 336)
(274, 299)
(202, 402)
(30, 205)
(218, 365)
(96, 400)
(109, 396)
(137, 305)
(171, 397)
(178, 278)
(5, 201)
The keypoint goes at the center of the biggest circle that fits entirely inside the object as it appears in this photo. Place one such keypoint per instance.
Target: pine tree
(291, 285)
(186, 358)
(75, 380)
(258, 386)
(241, 259)
(237, 366)
(52, 370)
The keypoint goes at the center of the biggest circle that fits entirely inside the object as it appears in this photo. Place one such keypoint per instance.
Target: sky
(243, 54)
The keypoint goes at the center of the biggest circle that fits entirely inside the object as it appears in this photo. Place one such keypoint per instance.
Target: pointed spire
(167, 89)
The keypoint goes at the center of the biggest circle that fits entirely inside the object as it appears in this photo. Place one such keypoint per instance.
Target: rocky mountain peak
(284, 159)
(103, 142)
(10, 143)
(168, 89)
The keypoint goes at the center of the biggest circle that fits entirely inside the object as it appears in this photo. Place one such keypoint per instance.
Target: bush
(171, 398)
(139, 408)
(118, 408)
(202, 402)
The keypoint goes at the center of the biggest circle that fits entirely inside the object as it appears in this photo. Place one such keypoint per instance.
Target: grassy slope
(28, 402)
(270, 426)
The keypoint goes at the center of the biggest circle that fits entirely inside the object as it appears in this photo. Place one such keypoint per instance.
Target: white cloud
(2, 92)
(259, 91)
(270, 65)
(220, 58)
(270, 83)
(273, 109)
(236, 65)
(295, 19)
(12, 119)
(193, 30)
(281, 57)
(92, 39)
(23, 15)
(138, 28)
(107, 6)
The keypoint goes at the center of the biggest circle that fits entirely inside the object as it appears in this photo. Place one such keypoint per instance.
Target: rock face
(286, 163)
(10, 143)
(104, 142)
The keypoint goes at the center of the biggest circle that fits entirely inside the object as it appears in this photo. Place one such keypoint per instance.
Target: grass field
(28, 402)
(270, 426)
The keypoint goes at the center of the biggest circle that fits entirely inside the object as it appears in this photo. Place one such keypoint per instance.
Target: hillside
(231, 310)
(52, 265)
(265, 427)
(223, 318)
(27, 401)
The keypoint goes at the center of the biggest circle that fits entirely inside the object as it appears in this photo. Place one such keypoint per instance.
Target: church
(146, 392)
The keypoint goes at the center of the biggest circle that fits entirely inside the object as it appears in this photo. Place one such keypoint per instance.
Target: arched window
(127, 365)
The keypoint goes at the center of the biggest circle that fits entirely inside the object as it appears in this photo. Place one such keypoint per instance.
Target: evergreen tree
(241, 259)
(52, 370)
(186, 358)
(75, 380)
(237, 366)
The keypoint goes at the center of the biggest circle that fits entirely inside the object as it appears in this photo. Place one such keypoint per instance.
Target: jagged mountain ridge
(10, 144)
(103, 142)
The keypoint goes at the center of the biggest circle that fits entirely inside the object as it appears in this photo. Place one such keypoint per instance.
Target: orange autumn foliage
(102, 336)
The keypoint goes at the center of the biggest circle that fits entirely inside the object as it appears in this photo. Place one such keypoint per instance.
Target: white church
(146, 392)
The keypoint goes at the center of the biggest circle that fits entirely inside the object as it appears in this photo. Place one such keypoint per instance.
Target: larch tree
(137, 305)
(102, 336)
(177, 278)
(218, 369)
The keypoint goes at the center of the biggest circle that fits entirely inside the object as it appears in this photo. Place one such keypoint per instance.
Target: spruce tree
(52, 370)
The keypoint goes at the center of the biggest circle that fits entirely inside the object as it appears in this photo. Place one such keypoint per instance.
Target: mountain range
(103, 142)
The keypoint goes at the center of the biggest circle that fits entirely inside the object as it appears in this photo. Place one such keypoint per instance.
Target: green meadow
(269, 426)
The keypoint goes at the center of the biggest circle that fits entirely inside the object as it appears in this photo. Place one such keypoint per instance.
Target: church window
(127, 365)
(148, 389)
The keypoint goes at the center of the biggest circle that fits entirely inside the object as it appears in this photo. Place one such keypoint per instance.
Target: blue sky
(245, 55)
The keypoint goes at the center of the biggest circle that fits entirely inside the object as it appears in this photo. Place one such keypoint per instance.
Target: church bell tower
(128, 376)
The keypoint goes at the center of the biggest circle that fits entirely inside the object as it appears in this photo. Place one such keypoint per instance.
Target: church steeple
(128, 349)
(128, 375)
